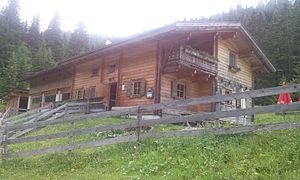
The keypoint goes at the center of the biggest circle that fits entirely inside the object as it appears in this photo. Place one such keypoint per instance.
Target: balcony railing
(194, 59)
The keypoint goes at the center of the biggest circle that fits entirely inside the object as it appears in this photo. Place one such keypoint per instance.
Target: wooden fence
(61, 116)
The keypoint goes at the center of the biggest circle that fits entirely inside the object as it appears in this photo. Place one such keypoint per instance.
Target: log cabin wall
(197, 87)
(109, 75)
(87, 75)
(49, 85)
(244, 76)
(137, 62)
(143, 61)
(50, 82)
(13, 102)
(233, 81)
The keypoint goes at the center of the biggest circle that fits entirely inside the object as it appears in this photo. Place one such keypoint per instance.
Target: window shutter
(187, 91)
(129, 88)
(143, 87)
(173, 89)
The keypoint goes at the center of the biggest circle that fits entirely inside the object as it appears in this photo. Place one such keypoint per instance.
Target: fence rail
(38, 120)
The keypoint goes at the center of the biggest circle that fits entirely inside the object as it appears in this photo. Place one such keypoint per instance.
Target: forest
(26, 49)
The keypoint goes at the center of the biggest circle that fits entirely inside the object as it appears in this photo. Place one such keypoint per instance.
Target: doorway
(23, 104)
(112, 95)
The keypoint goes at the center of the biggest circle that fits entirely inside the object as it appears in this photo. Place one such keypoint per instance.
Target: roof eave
(263, 57)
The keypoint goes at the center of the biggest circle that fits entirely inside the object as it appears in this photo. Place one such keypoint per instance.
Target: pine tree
(41, 57)
(296, 45)
(18, 66)
(33, 36)
(44, 58)
(14, 61)
(79, 41)
(54, 39)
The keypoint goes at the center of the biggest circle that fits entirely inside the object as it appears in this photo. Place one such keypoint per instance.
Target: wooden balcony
(192, 58)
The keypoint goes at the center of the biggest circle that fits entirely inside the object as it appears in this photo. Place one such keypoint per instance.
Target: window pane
(65, 96)
(36, 100)
(232, 60)
(180, 90)
(92, 92)
(50, 98)
(137, 88)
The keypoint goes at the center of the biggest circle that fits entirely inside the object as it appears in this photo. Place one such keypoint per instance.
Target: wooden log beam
(21, 133)
(224, 131)
(132, 138)
(74, 119)
(26, 114)
(170, 104)
(28, 118)
(169, 120)
(98, 143)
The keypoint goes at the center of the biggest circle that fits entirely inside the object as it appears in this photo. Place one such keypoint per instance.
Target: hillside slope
(268, 155)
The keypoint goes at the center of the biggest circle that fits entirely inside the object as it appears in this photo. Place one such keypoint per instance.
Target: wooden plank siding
(84, 78)
(107, 76)
(145, 60)
(13, 102)
(202, 86)
(50, 82)
(137, 63)
(245, 75)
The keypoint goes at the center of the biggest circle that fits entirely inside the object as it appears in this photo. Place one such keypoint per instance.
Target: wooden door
(112, 95)
(23, 104)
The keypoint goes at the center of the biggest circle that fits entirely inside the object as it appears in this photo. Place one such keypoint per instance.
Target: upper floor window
(232, 60)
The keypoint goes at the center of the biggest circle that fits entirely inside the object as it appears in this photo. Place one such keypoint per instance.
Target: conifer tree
(41, 57)
(14, 56)
(79, 41)
(54, 38)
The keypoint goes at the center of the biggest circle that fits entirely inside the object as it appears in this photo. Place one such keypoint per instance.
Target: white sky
(122, 17)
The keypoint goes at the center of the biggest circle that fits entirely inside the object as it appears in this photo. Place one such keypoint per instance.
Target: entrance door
(23, 104)
(113, 95)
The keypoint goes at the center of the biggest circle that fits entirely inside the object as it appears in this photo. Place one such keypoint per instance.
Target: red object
(285, 98)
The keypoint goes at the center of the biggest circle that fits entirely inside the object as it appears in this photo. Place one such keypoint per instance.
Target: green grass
(267, 155)
(276, 118)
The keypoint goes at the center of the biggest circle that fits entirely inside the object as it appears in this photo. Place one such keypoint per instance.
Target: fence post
(218, 109)
(139, 118)
(3, 135)
(72, 127)
(88, 106)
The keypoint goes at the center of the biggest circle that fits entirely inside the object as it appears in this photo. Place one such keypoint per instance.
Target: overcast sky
(122, 17)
